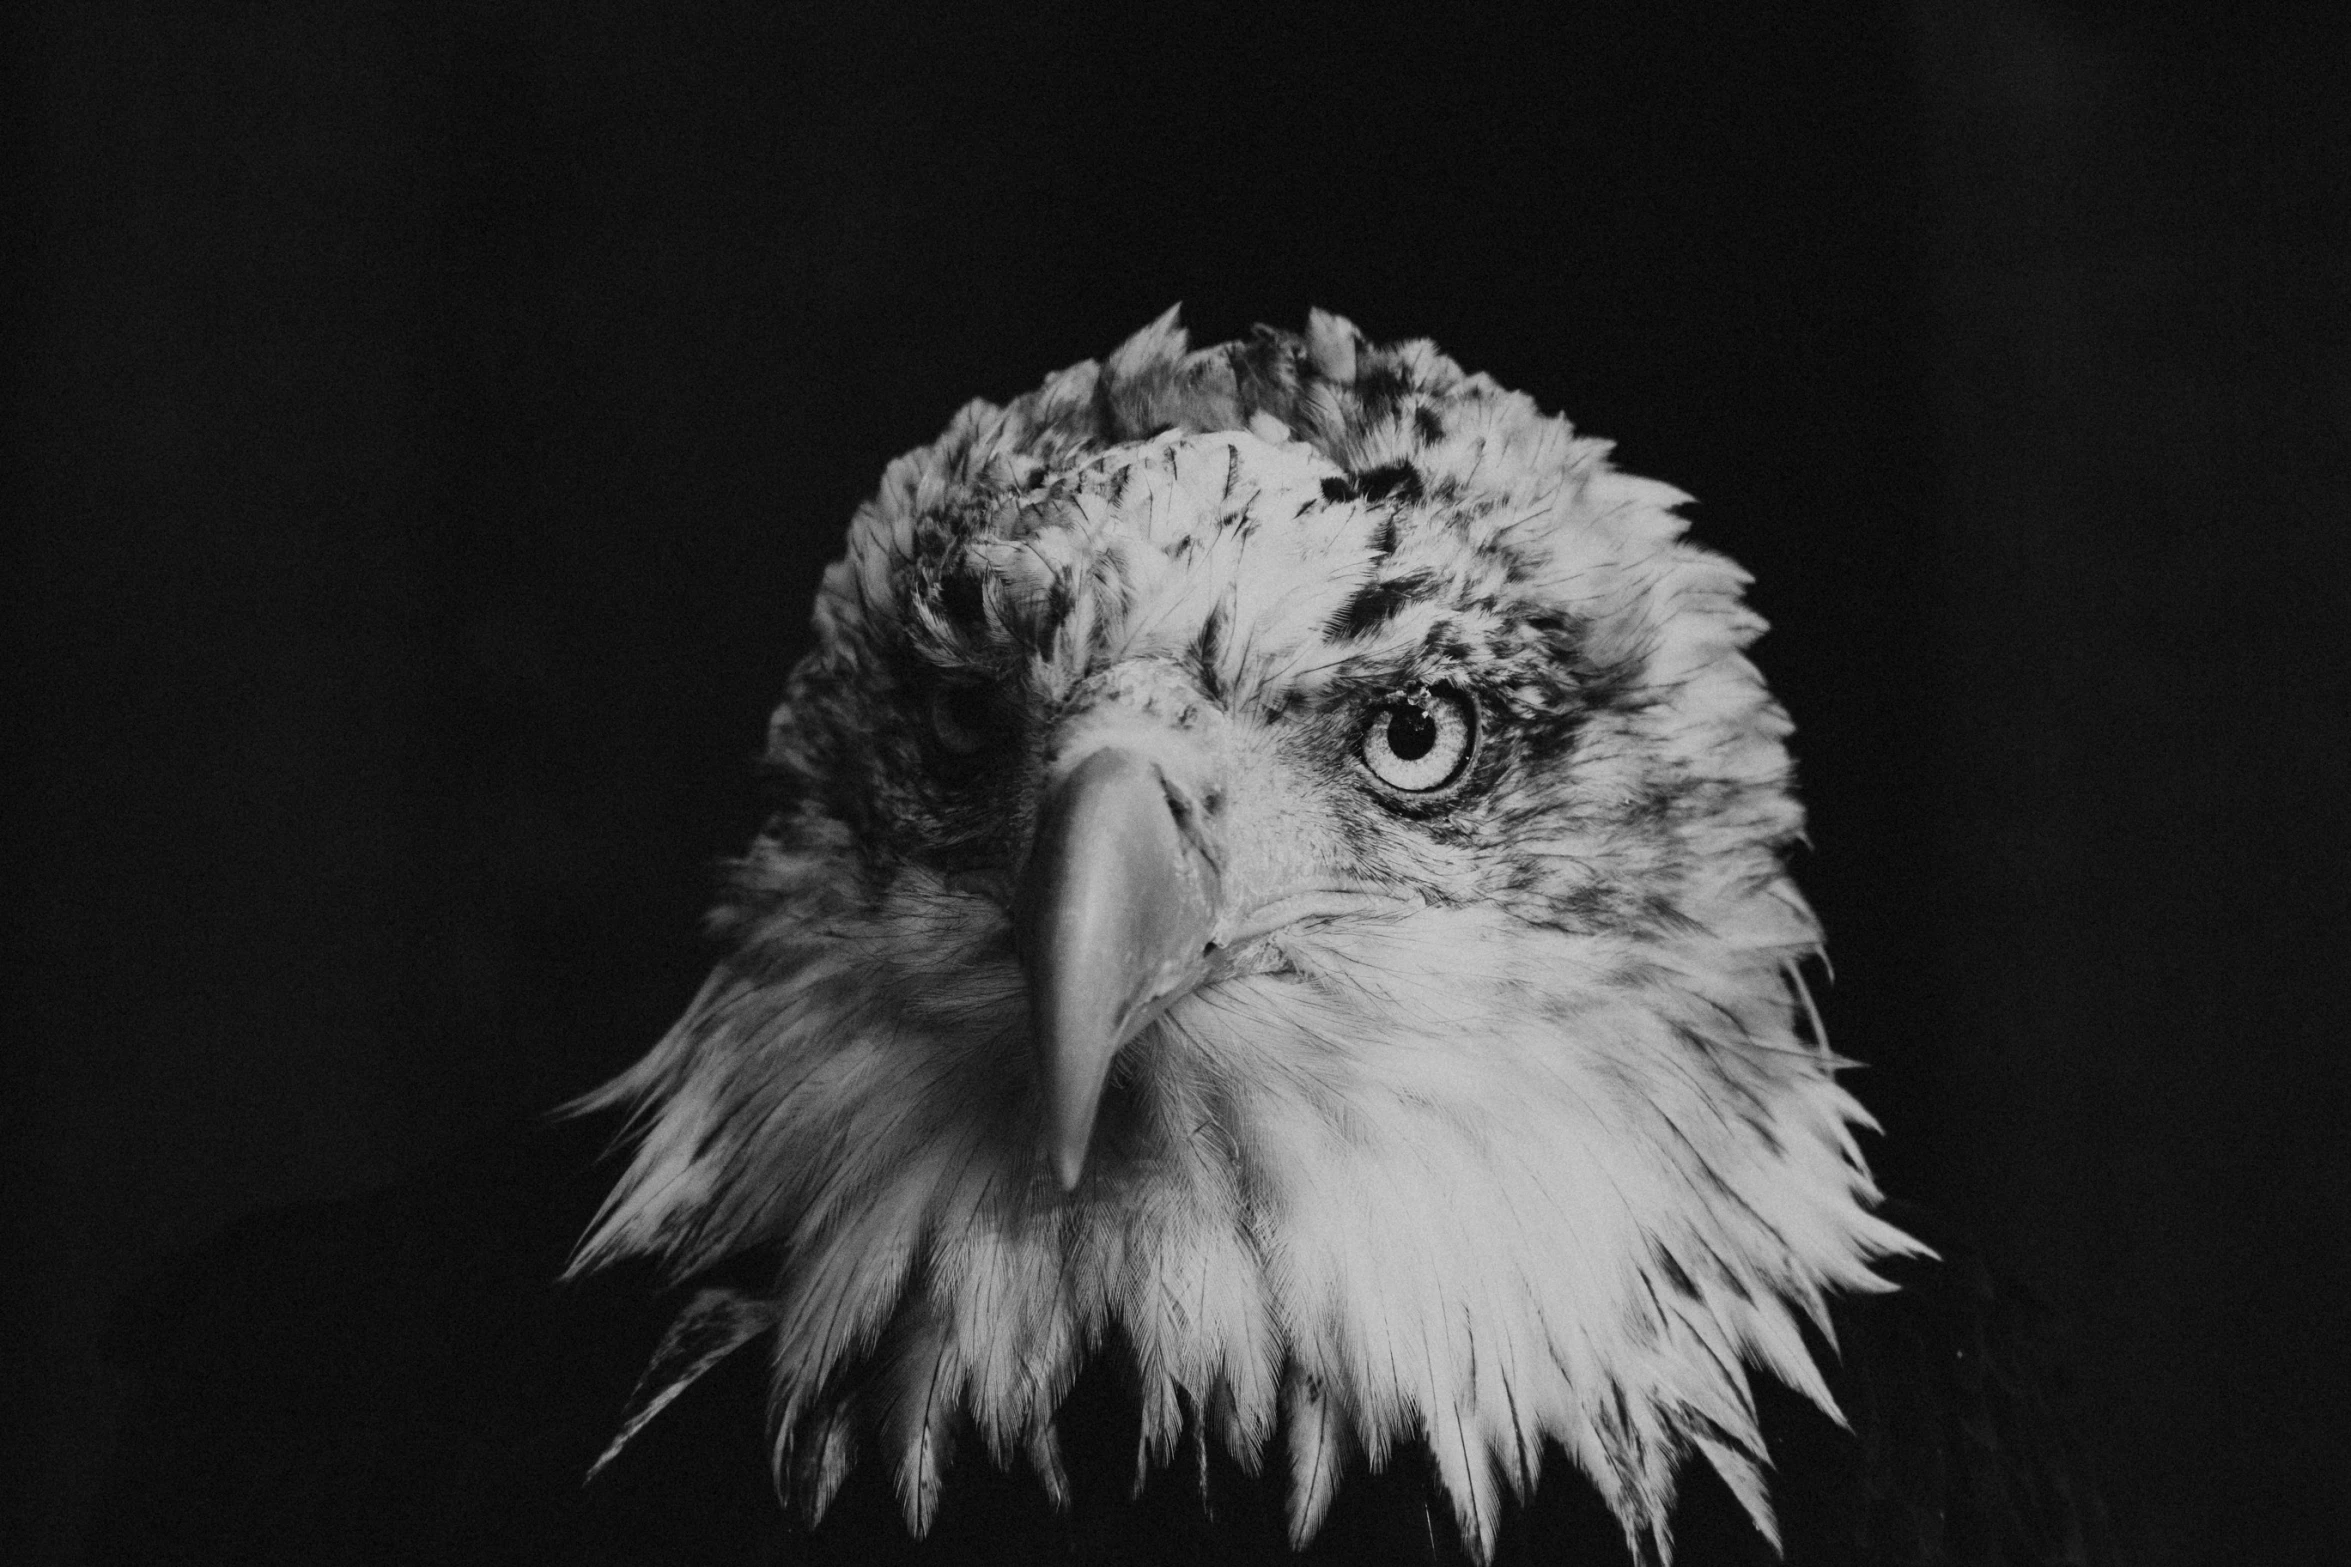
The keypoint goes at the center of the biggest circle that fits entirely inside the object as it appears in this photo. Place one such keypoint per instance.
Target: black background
(429, 423)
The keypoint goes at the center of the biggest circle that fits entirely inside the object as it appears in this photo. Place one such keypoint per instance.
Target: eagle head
(1282, 872)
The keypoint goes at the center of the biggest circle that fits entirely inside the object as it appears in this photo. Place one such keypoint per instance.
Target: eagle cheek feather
(1477, 1114)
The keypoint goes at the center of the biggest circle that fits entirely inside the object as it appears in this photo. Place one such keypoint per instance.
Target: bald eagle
(1268, 1024)
(1279, 909)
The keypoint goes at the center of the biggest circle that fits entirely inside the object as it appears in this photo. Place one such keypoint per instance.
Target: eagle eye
(1421, 740)
(964, 718)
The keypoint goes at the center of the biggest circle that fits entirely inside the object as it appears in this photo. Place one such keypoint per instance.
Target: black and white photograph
(937, 784)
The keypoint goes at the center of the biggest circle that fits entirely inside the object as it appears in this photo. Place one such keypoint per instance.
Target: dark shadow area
(429, 423)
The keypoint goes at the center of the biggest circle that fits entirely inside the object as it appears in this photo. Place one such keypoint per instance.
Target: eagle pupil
(1411, 731)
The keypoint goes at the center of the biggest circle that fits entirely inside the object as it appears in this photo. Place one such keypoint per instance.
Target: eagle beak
(1114, 914)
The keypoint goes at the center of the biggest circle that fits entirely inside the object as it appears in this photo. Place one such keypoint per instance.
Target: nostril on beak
(1178, 805)
(1191, 822)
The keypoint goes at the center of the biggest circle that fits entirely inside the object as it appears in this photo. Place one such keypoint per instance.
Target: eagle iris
(1420, 741)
